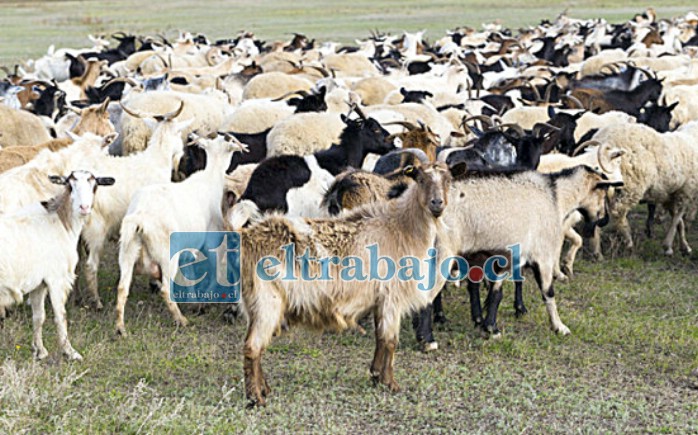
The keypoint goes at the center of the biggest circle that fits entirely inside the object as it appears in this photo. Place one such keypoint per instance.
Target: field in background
(631, 363)
(27, 28)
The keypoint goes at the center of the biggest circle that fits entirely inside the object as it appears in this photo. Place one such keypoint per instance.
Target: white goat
(152, 166)
(43, 241)
(158, 210)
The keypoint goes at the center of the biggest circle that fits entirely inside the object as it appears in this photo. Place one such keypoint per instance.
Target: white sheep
(659, 168)
(43, 241)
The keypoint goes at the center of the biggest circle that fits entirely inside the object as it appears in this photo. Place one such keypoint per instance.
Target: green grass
(29, 27)
(629, 365)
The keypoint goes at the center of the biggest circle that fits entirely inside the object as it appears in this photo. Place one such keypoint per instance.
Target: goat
(338, 304)
(294, 185)
(158, 210)
(491, 226)
(43, 239)
(152, 166)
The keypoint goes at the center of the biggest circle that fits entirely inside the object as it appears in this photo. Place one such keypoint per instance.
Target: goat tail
(243, 213)
(130, 243)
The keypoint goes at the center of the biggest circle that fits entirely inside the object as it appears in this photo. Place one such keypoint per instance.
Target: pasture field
(630, 365)
(28, 27)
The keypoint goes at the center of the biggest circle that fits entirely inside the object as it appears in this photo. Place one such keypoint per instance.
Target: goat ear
(617, 153)
(606, 184)
(410, 171)
(459, 169)
(105, 181)
(403, 91)
(109, 139)
(551, 112)
(344, 118)
(672, 106)
(57, 179)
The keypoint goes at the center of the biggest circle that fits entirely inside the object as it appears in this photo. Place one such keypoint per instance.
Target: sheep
(659, 168)
(158, 210)
(152, 166)
(27, 184)
(304, 133)
(93, 119)
(373, 90)
(43, 239)
(208, 112)
(254, 116)
(17, 156)
(338, 304)
(274, 85)
(20, 127)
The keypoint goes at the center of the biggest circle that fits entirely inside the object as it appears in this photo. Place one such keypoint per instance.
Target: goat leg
(439, 315)
(519, 306)
(422, 322)
(475, 306)
(494, 297)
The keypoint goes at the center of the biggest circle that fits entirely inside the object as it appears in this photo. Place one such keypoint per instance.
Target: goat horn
(408, 125)
(169, 116)
(360, 112)
(516, 127)
(421, 155)
(584, 145)
(600, 156)
(649, 74)
(132, 112)
(321, 70)
(302, 93)
(481, 118)
(575, 100)
(535, 91)
(128, 80)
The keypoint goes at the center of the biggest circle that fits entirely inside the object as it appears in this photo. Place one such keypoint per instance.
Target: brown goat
(421, 137)
(354, 188)
(407, 226)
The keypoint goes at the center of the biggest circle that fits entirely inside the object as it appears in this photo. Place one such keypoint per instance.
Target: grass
(630, 364)
(30, 26)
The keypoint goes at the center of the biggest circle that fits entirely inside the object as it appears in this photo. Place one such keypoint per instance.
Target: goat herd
(468, 146)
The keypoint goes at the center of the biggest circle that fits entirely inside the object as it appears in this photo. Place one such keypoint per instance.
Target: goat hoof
(598, 256)
(562, 330)
(40, 354)
(256, 401)
(182, 321)
(686, 251)
(72, 355)
(440, 318)
(98, 305)
(669, 252)
(563, 278)
(478, 322)
(520, 311)
(392, 385)
(121, 331)
(567, 270)
(430, 346)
